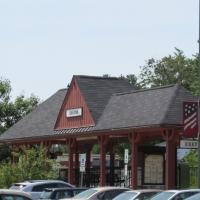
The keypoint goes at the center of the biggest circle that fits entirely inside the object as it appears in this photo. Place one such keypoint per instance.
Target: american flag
(190, 119)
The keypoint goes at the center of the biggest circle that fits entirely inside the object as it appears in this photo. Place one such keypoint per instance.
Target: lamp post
(199, 106)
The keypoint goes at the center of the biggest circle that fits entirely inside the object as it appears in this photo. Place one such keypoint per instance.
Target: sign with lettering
(189, 144)
(153, 169)
(126, 156)
(82, 162)
(75, 112)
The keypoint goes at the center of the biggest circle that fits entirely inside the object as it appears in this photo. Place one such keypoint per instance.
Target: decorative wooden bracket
(103, 140)
(169, 135)
(71, 142)
(134, 137)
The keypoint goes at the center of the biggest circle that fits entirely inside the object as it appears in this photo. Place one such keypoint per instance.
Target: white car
(194, 197)
(175, 194)
(99, 193)
(36, 187)
(6, 194)
(137, 194)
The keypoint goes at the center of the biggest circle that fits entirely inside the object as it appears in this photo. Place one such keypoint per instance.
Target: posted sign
(82, 162)
(126, 156)
(189, 144)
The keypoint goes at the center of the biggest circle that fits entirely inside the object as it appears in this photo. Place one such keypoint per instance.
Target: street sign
(82, 169)
(126, 156)
(82, 162)
(125, 170)
(189, 144)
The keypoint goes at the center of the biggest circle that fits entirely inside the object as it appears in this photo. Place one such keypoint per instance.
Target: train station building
(109, 112)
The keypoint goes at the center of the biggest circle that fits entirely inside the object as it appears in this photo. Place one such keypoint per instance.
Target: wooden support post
(170, 155)
(77, 164)
(70, 165)
(103, 143)
(134, 164)
(88, 165)
(71, 142)
(134, 138)
(112, 168)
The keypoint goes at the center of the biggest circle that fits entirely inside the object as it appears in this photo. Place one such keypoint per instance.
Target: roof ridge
(145, 89)
(98, 77)
(176, 88)
(61, 89)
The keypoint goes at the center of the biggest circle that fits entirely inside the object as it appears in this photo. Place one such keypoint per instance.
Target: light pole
(198, 106)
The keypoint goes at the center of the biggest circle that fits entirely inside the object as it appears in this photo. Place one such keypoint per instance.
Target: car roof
(109, 188)
(145, 190)
(32, 182)
(65, 188)
(185, 190)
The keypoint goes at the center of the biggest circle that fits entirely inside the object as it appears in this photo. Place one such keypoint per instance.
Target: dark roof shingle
(40, 121)
(111, 108)
(144, 108)
(98, 90)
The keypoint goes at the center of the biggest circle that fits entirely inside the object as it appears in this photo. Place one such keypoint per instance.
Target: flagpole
(198, 106)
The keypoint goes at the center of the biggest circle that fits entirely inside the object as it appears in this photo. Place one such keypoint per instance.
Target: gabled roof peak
(62, 89)
(97, 77)
(97, 91)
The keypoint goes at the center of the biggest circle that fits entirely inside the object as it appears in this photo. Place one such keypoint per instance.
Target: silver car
(175, 194)
(36, 187)
(100, 193)
(6, 194)
(194, 197)
(137, 194)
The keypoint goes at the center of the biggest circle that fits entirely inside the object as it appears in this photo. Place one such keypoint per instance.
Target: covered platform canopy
(97, 110)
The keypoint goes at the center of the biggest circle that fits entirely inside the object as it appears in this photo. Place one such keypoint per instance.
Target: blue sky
(44, 42)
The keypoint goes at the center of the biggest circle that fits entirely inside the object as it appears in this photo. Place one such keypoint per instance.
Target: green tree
(172, 69)
(32, 164)
(132, 79)
(191, 158)
(12, 111)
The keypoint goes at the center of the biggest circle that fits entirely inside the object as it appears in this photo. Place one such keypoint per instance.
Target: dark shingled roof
(40, 121)
(144, 108)
(111, 109)
(98, 90)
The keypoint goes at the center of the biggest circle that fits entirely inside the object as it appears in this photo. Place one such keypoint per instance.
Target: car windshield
(85, 194)
(163, 196)
(126, 196)
(194, 197)
(46, 194)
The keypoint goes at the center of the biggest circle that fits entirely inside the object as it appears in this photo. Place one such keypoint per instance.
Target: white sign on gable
(75, 112)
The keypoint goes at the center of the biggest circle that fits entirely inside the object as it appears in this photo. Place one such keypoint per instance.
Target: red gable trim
(74, 99)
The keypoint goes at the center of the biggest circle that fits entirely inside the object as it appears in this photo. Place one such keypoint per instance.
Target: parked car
(175, 194)
(60, 193)
(137, 194)
(6, 194)
(36, 187)
(194, 197)
(100, 193)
